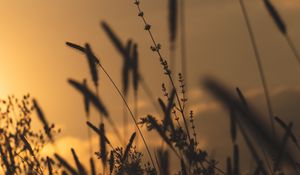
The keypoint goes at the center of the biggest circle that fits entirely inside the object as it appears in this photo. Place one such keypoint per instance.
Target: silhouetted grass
(20, 145)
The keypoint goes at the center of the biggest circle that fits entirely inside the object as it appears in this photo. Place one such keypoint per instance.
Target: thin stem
(125, 123)
(259, 65)
(97, 94)
(90, 140)
(136, 112)
(109, 120)
(173, 57)
(183, 40)
(293, 48)
(168, 74)
(131, 114)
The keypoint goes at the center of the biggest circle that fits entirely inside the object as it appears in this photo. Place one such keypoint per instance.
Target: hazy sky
(34, 58)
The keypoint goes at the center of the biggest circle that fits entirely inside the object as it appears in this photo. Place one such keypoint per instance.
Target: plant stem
(90, 140)
(183, 40)
(168, 74)
(293, 48)
(125, 123)
(131, 114)
(97, 94)
(136, 113)
(259, 65)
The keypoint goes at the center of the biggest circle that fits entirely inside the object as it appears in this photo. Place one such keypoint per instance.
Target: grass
(20, 147)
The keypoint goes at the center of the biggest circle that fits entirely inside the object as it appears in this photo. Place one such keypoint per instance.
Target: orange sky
(34, 58)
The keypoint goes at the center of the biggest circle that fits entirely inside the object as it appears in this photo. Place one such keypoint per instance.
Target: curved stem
(131, 114)
(293, 48)
(259, 65)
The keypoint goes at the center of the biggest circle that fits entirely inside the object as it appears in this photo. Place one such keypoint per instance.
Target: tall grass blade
(259, 65)
(242, 97)
(127, 149)
(228, 165)
(49, 164)
(79, 166)
(75, 46)
(164, 162)
(173, 15)
(135, 68)
(86, 100)
(275, 16)
(113, 37)
(126, 68)
(130, 111)
(248, 118)
(27, 145)
(65, 164)
(183, 167)
(98, 131)
(159, 129)
(111, 162)
(93, 61)
(89, 95)
(282, 150)
(285, 127)
(233, 129)
(43, 119)
(92, 165)
(236, 160)
(103, 145)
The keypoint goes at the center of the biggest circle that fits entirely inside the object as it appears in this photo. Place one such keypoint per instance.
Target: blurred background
(34, 59)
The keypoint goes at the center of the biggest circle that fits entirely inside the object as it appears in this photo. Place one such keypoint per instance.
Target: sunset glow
(134, 51)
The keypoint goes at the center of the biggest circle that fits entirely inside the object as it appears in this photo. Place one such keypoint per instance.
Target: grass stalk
(183, 40)
(259, 64)
(125, 123)
(135, 101)
(131, 113)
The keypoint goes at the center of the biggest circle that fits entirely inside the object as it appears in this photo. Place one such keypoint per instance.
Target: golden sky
(34, 58)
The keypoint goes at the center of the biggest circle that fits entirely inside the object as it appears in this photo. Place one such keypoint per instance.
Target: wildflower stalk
(156, 47)
(183, 39)
(87, 113)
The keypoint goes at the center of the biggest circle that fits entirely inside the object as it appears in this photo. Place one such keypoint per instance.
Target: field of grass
(273, 145)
